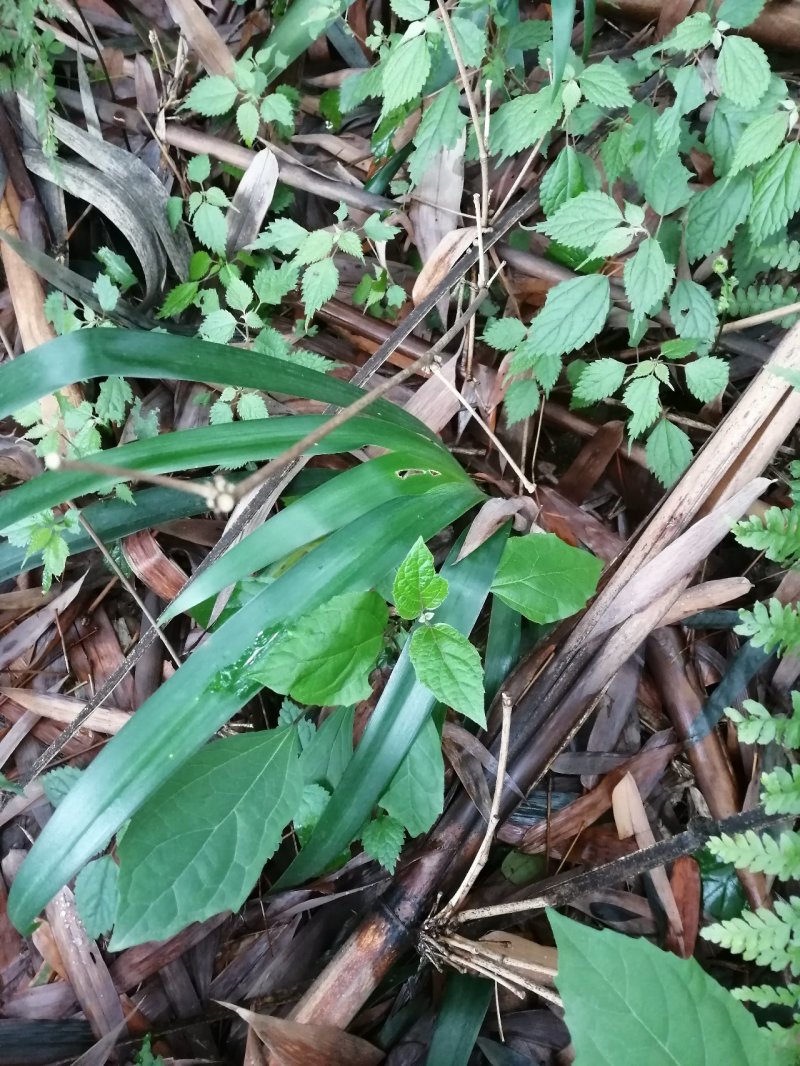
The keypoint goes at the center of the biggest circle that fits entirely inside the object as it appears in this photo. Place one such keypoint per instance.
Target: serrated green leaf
(106, 292)
(113, 398)
(417, 587)
(530, 34)
(776, 193)
(707, 377)
(504, 333)
(97, 895)
(566, 179)
(251, 406)
(442, 124)
(650, 990)
(647, 276)
(378, 230)
(583, 220)
(520, 123)
(317, 245)
(641, 397)
(740, 13)
(313, 802)
(668, 451)
(713, 216)
(277, 108)
(603, 84)
(573, 313)
(271, 284)
(238, 294)
(616, 151)
(325, 657)
(521, 400)
(415, 796)
(57, 783)
(248, 121)
(218, 327)
(197, 845)
(211, 96)
(545, 579)
(405, 72)
(350, 243)
(743, 71)
(320, 282)
(694, 314)
(198, 169)
(601, 378)
(471, 40)
(446, 663)
(208, 223)
(283, 234)
(666, 185)
(410, 9)
(178, 299)
(760, 140)
(383, 840)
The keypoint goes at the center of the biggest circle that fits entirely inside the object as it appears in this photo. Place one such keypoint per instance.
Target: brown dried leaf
(441, 257)
(64, 709)
(203, 37)
(251, 201)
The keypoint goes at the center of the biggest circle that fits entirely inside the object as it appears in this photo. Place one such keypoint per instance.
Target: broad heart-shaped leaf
(668, 451)
(402, 710)
(545, 579)
(417, 587)
(447, 664)
(573, 313)
(647, 276)
(713, 216)
(200, 697)
(415, 797)
(666, 1011)
(325, 657)
(97, 895)
(198, 845)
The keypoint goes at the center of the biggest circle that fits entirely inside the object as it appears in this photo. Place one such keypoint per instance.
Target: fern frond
(759, 298)
(771, 625)
(755, 724)
(763, 854)
(770, 938)
(770, 995)
(781, 791)
(777, 534)
(780, 253)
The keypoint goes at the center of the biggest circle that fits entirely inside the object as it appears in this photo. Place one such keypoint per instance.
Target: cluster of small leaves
(755, 724)
(772, 625)
(776, 533)
(43, 534)
(26, 60)
(116, 277)
(770, 938)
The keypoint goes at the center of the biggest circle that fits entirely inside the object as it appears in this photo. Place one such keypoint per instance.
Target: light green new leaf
(616, 150)
(641, 397)
(199, 168)
(740, 13)
(713, 216)
(583, 220)
(666, 184)
(377, 230)
(521, 122)
(383, 839)
(325, 657)
(694, 314)
(218, 327)
(211, 96)
(417, 587)
(97, 895)
(601, 378)
(694, 32)
(106, 292)
(277, 108)
(112, 399)
(410, 9)
(667, 1009)
(447, 664)
(776, 193)
(574, 312)
(198, 845)
(320, 282)
(504, 333)
(317, 245)
(668, 451)
(471, 40)
(415, 796)
(521, 400)
(571, 174)
(405, 72)
(248, 121)
(603, 84)
(759, 140)
(647, 276)
(743, 71)
(208, 223)
(283, 234)
(545, 579)
(707, 377)
(302, 23)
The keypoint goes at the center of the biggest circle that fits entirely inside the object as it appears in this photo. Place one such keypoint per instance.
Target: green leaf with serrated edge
(383, 839)
(178, 299)
(327, 754)
(713, 216)
(740, 13)
(57, 783)
(647, 276)
(603, 84)
(208, 223)
(694, 32)
(405, 72)
(97, 895)
(198, 169)
(759, 140)
(776, 193)
(521, 122)
(113, 398)
(325, 657)
(641, 397)
(313, 802)
(678, 348)
(238, 294)
(723, 896)
(248, 121)
(707, 377)
(601, 378)
(415, 797)
(198, 845)
(530, 34)
(271, 284)
(693, 313)
(616, 150)
(405, 705)
(377, 230)
(212, 96)
(743, 71)
(350, 243)
(545, 579)
(563, 181)
(276, 108)
(317, 245)
(106, 292)
(283, 234)
(410, 9)
(573, 313)
(447, 664)
(320, 282)
(666, 186)
(650, 990)
(668, 451)
(250, 406)
(504, 333)
(471, 41)
(218, 327)
(583, 220)
(521, 400)
(116, 268)
(441, 126)
(417, 587)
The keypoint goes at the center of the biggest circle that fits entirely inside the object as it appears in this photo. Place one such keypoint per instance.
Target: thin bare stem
(760, 319)
(520, 177)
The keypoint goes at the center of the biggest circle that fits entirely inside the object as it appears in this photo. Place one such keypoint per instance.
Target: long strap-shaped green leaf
(96, 353)
(232, 444)
(207, 690)
(303, 23)
(393, 727)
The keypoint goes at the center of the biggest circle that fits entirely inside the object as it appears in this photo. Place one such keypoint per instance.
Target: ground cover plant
(400, 523)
